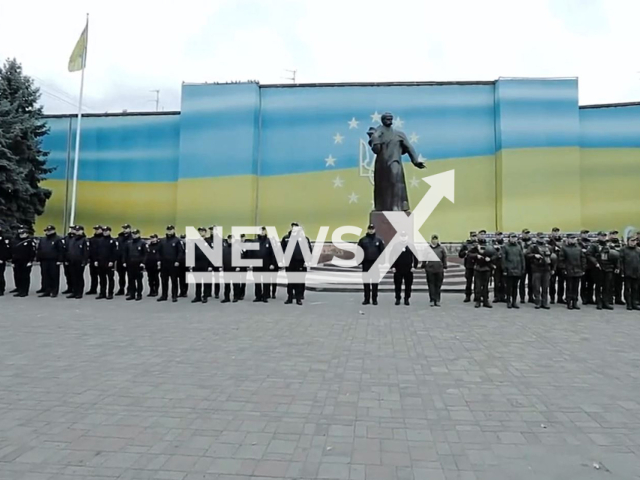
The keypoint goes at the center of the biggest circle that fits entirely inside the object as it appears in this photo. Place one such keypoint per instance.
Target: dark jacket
(77, 250)
(214, 241)
(243, 252)
(104, 250)
(373, 246)
(437, 267)
(297, 257)
(227, 256)
(201, 262)
(525, 244)
(555, 243)
(601, 254)
(585, 244)
(122, 240)
(264, 253)
(135, 252)
(547, 260)
(171, 250)
(50, 248)
(467, 252)
(23, 250)
(405, 260)
(630, 262)
(94, 246)
(66, 240)
(153, 253)
(5, 249)
(484, 255)
(498, 245)
(572, 260)
(513, 261)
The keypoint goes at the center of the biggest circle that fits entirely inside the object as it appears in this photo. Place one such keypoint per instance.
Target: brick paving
(332, 390)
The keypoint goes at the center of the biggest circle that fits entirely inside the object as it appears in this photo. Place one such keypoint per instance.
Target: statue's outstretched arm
(407, 149)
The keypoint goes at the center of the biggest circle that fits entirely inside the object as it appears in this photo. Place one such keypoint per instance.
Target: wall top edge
(611, 105)
(537, 78)
(112, 114)
(377, 84)
(349, 84)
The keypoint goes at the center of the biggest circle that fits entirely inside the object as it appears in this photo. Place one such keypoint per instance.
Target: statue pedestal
(384, 228)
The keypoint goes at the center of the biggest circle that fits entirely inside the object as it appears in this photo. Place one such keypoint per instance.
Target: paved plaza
(331, 390)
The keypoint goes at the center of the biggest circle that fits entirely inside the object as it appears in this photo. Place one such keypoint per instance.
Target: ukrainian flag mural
(524, 153)
(128, 170)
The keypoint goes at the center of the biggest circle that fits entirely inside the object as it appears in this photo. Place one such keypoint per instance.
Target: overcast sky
(137, 45)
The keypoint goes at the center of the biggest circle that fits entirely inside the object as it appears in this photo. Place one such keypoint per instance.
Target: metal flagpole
(74, 185)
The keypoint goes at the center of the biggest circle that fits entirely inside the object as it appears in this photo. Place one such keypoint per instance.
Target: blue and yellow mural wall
(525, 155)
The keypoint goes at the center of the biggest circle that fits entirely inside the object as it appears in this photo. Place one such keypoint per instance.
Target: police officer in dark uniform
(604, 261)
(526, 282)
(124, 237)
(543, 264)
(513, 265)
(499, 287)
(104, 260)
(372, 246)
(23, 255)
(12, 242)
(171, 253)
(557, 281)
(630, 272)
(151, 265)
(468, 264)
(214, 240)
(77, 257)
(228, 270)
(484, 262)
(587, 280)
(202, 264)
(242, 270)
(573, 262)
(403, 265)
(134, 258)
(618, 282)
(5, 256)
(268, 264)
(50, 254)
(274, 282)
(296, 264)
(66, 240)
(94, 246)
(182, 270)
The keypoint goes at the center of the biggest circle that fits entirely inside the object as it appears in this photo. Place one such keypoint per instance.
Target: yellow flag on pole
(78, 58)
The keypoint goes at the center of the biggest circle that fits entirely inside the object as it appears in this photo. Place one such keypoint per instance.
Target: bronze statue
(389, 187)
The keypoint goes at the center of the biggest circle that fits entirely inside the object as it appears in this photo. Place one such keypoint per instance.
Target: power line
(59, 92)
(62, 99)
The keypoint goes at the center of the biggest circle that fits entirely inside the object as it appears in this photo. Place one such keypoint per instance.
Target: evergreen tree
(23, 163)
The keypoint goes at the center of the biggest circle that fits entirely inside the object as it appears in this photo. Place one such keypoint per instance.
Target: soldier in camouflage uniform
(525, 243)
(499, 286)
(618, 282)
(469, 263)
(557, 282)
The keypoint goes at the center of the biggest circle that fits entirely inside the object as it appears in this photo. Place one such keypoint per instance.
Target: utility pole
(293, 75)
(157, 92)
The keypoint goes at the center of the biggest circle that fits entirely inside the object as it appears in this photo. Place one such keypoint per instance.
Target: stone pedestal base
(384, 228)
